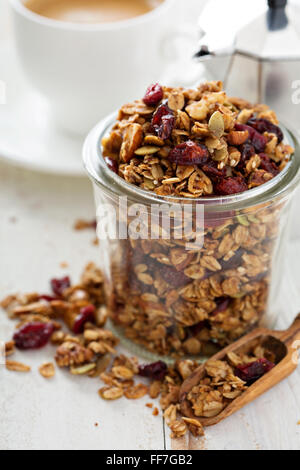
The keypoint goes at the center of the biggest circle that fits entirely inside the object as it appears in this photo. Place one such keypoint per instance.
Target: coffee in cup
(91, 11)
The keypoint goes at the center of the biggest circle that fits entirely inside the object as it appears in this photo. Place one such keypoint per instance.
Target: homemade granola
(195, 144)
(222, 382)
(91, 351)
(80, 308)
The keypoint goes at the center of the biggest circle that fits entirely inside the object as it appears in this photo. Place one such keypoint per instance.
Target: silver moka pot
(263, 62)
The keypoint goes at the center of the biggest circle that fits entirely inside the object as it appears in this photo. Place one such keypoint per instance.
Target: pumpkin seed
(216, 124)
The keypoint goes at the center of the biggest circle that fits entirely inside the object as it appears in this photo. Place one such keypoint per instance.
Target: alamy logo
(2, 92)
(296, 93)
(295, 356)
(166, 221)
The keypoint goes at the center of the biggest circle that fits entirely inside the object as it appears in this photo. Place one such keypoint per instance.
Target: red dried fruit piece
(154, 94)
(247, 151)
(155, 371)
(162, 110)
(222, 305)
(211, 169)
(254, 370)
(230, 185)
(112, 164)
(258, 141)
(33, 335)
(59, 285)
(234, 262)
(189, 153)
(87, 314)
(48, 298)
(163, 121)
(195, 329)
(166, 127)
(267, 164)
(174, 278)
(264, 125)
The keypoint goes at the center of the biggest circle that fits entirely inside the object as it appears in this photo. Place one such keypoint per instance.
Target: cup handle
(177, 49)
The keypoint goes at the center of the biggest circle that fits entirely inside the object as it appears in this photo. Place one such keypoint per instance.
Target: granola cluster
(196, 143)
(86, 345)
(225, 380)
(178, 302)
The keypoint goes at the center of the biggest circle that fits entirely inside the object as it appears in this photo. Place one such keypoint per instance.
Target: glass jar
(170, 296)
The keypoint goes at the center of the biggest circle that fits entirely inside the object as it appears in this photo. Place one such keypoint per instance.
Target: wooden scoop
(281, 343)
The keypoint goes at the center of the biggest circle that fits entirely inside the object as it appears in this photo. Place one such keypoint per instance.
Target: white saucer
(28, 138)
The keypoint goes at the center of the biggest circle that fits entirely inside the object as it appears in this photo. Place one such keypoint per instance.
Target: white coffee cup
(88, 70)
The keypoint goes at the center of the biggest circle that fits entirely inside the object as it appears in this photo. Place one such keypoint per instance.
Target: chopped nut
(9, 348)
(178, 428)
(123, 373)
(176, 100)
(136, 391)
(17, 366)
(111, 393)
(133, 138)
(83, 370)
(47, 370)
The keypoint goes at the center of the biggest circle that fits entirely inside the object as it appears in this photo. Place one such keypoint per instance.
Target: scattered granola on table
(87, 346)
(223, 382)
(195, 144)
(91, 351)
(83, 224)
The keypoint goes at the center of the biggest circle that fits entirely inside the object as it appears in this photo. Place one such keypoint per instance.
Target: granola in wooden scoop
(239, 374)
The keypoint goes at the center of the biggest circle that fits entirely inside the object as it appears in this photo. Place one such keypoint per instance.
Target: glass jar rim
(115, 186)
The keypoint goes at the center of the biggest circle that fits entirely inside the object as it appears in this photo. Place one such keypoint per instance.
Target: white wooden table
(37, 214)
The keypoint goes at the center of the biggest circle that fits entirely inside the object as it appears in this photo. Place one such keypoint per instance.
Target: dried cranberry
(212, 170)
(254, 370)
(234, 262)
(258, 141)
(59, 285)
(87, 314)
(195, 329)
(154, 95)
(33, 335)
(264, 125)
(162, 110)
(166, 127)
(173, 277)
(112, 164)
(48, 298)
(259, 277)
(155, 371)
(189, 153)
(267, 164)
(231, 185)
(222, 305)
(247, 151)
(163, 121)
